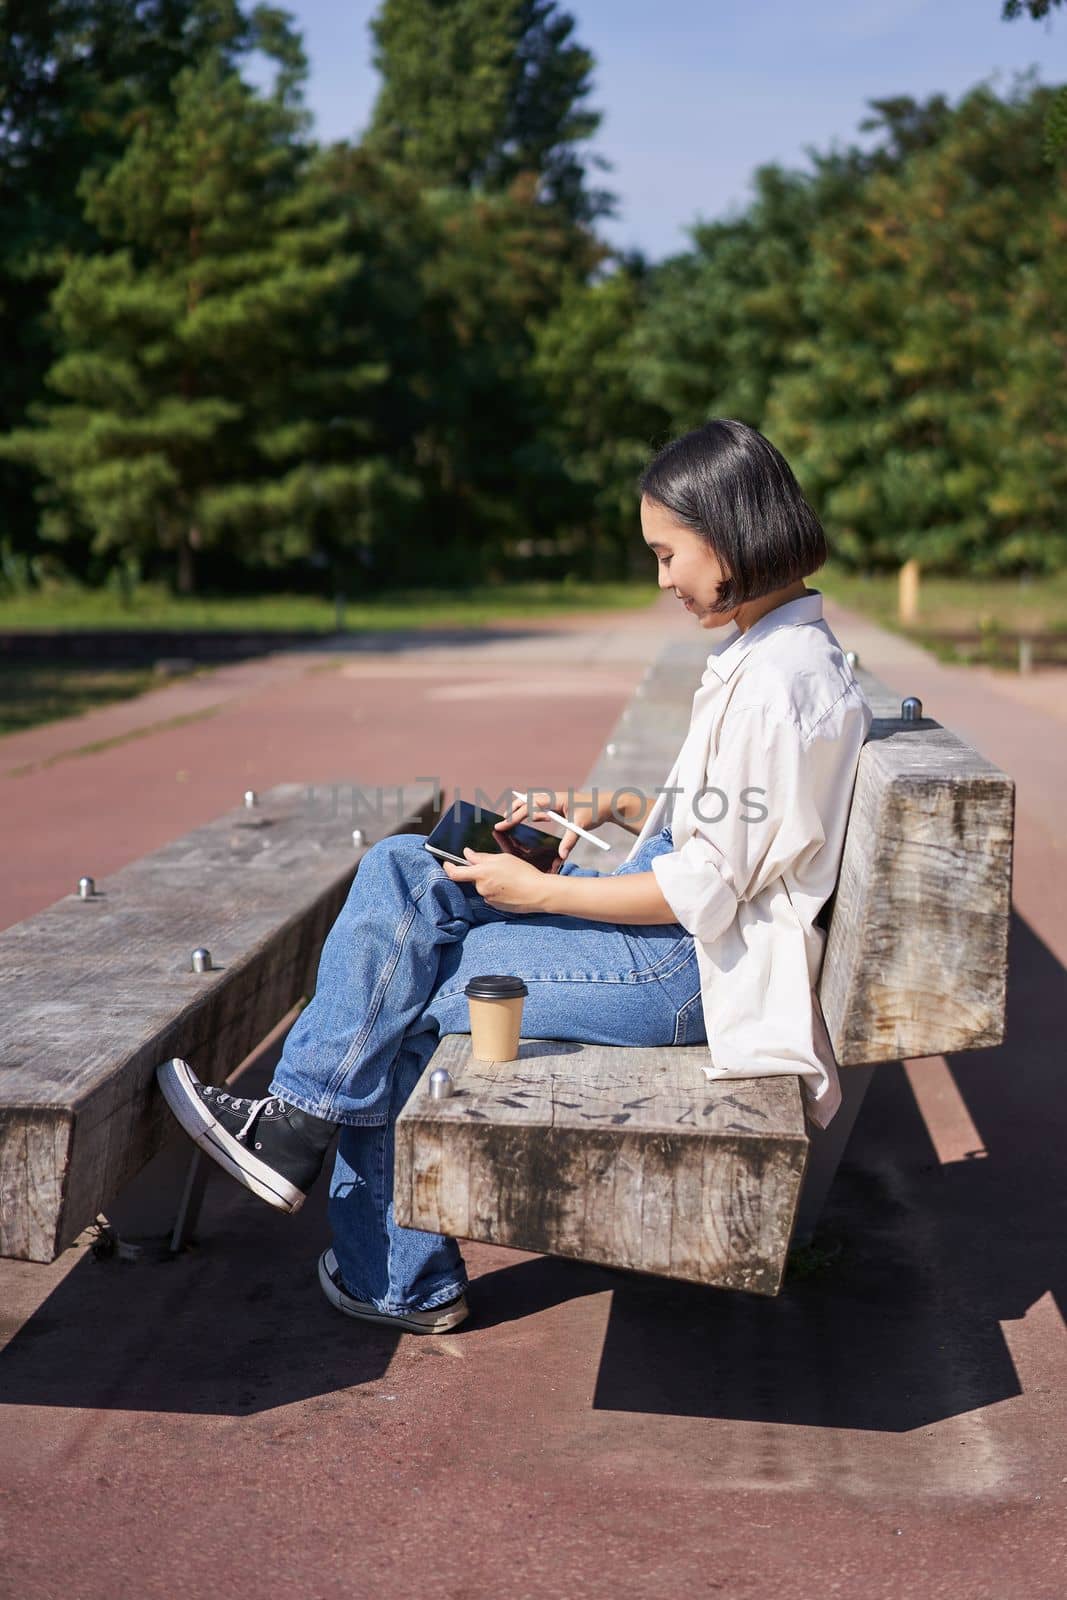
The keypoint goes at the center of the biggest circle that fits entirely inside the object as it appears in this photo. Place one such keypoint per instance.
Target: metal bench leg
(189, 1205)
(826, 1147)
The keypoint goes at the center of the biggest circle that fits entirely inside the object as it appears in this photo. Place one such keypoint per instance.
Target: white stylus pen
(601, 843)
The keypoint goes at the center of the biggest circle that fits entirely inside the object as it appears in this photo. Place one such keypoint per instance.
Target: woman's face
(685, 564)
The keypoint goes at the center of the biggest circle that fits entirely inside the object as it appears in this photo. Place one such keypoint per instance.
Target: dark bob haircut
(728, 483)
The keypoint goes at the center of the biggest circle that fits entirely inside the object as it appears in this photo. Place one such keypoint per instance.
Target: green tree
(209, 390)
(71, 74)
(722, 318)
(719, 317)
(598, 428)
(1056, 112)
(477, 92)
(926, 413)
(498, 267)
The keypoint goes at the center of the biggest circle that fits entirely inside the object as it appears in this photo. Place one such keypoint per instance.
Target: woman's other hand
(503, 881)
(575, 807)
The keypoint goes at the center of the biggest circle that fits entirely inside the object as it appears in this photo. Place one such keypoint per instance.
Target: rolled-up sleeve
(757, 815)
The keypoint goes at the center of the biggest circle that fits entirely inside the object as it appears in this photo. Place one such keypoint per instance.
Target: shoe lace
(267, 1103)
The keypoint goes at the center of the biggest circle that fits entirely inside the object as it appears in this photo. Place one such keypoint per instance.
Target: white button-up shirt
(757, 802)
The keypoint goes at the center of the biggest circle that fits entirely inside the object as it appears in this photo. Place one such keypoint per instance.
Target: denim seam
(380, 987)
(546, 977)
(573, 977)
(319, 1108)
(644, 974)
(379, 1198)
(664, 968)
(394, 1308)
(681, 1027)
(678, 965)
(419, 889)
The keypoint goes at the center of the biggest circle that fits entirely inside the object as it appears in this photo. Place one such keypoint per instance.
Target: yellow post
(908, 593)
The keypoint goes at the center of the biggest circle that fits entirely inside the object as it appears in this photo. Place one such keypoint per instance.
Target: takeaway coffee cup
(496, 1016)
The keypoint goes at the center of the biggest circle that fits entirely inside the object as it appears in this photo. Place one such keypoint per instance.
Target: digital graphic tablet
(465, 824)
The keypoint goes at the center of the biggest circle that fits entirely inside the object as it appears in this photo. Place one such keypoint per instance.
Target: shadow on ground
(891, 1321)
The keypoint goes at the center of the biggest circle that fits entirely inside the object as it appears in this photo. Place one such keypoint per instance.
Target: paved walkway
(498, 707)
(891, 1425)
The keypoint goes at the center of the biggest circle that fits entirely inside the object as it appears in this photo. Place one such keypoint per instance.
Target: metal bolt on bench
(81, 1116)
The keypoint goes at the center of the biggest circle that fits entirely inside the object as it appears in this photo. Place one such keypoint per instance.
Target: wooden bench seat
(631, 1157)
(628, 1157)
(95, 993)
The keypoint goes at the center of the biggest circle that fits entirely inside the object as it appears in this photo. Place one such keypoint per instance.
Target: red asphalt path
(891, 1425)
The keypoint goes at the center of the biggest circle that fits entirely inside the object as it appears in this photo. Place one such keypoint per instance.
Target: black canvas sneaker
(272, 1148)
(438, 1320)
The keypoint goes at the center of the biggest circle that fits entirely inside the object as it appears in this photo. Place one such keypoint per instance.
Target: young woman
(705, 932)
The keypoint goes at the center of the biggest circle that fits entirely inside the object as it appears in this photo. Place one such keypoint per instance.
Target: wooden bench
(630, 1157)
(95, 992)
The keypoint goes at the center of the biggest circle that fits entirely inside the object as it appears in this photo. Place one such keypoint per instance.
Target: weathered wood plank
(628, 1157)
(917, 945)
(917, 931)
(34, 1159)
(94, 994)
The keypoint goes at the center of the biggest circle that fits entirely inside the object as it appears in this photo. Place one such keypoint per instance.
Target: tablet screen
(471, 825)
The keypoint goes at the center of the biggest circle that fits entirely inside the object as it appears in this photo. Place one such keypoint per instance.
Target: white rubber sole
(178, 1083)
(438, 1320)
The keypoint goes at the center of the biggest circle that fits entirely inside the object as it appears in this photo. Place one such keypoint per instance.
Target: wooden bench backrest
(917, 944)
(917, 929)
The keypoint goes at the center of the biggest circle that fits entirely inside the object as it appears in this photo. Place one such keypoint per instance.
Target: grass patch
(150, 606)
(32, 693)
(36, 692)
(96, 745)
(994, 611)
(965, 620)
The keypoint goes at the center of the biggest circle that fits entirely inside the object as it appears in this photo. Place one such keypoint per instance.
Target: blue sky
(696, 93)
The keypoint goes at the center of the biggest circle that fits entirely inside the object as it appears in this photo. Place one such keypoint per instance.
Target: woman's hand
(503, 881)
(576, 808)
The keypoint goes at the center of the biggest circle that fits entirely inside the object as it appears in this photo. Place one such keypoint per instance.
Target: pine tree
(481, 105)
(477, 92)
(599, 427)
(209, 391)
(498, 266)
(71, 74)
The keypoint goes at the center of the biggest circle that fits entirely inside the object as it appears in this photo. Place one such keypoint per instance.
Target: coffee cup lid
(495, 986)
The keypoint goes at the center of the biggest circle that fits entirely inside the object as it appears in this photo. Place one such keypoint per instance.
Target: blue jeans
(390, 982)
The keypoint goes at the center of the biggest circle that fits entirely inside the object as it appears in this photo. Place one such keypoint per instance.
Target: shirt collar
(729, 655)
